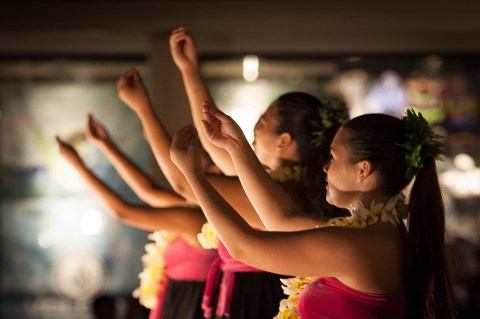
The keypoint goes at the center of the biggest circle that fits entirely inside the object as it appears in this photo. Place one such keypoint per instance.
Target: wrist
(189, 69)
(193, 174)
(239, 148)
(144, 110)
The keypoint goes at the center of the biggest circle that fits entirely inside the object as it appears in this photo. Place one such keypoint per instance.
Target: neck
(366, 198)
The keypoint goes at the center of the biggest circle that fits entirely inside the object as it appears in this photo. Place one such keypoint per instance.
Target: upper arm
(324, 252)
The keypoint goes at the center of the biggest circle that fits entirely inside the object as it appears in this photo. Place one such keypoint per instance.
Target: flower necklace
(207, 237)
(393, 211)
(153, 274)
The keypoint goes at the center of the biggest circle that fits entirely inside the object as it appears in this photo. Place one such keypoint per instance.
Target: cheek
(340, 178)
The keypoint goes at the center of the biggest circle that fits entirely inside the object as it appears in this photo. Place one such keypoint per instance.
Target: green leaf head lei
(331, 113)
(420, 142)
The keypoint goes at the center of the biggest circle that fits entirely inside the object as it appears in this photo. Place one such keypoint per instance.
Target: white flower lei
(394, 211)
(153, 273)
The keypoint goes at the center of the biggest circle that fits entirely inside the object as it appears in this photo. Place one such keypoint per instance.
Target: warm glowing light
(67, 177)
(45, 240)
(464, 179)
(464, 162)
(91, 222)
(250, 68)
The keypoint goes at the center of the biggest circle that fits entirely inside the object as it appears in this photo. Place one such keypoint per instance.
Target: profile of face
(342, 185)
(266, 139)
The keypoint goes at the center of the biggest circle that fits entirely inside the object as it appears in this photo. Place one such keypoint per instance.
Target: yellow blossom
(153, 269)
(207, 237)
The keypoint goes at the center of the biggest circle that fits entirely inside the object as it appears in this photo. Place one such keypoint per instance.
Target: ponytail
(428, 270)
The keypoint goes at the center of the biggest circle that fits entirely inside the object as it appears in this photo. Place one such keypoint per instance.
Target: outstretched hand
(220, 129)
(95, 131)
(68, 152)
(184, 150)
(132, 91)
(183, 49)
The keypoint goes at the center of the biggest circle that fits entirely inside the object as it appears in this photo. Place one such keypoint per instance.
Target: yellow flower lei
(207, 237)
(394, 211)
(292, 287)
(153, 272)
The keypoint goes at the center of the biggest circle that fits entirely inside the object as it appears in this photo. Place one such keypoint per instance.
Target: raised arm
(274, 206)
(270, 251)
(146, 189)
(132, 91)
(184, 54)
(182, 220)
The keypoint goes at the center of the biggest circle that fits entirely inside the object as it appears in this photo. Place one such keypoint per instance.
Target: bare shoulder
(375, 256)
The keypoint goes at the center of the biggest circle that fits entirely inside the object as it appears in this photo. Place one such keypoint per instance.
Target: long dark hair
(295, 112)
(378, 138)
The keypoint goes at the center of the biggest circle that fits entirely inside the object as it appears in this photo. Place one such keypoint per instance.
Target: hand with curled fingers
(96, 132)
(132, 91)
(183, 49)
(184, 151)
(220, 129)
(68, 152)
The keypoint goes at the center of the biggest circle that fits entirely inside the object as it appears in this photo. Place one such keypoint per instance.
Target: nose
(326, 167)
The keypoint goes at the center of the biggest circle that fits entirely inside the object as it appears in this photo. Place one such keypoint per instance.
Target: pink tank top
(229, 266)
(329, 298)
(183, 262)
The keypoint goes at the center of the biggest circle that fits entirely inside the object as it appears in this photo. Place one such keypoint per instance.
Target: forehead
(268, 116)
(339, 141)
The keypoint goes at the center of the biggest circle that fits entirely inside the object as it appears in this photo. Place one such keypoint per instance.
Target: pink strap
(226, 286)
(212, 279)
(157, 310)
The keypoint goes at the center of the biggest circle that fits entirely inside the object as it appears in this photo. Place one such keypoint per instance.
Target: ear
(364, 170)
(284, 140)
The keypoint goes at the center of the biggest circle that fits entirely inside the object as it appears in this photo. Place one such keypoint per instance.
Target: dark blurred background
(62, 256)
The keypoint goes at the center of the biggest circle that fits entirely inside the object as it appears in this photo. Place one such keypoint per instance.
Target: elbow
(236, 252)
(116, 213)
(182, 190)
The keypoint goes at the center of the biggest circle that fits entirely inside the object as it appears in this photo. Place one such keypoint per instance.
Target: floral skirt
(183, 300)
(256, 295)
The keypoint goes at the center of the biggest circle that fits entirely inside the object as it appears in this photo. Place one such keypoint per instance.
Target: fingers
(211, 111)
(179, 35)
(60, 143)
(207, 129)
(208, 111)
(184, 137)
(180, 31)
(63, 147)
(129, 77)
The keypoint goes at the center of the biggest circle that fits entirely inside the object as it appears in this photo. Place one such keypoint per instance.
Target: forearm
(274, 206)
(197, 92)
(160, 142)
(228, 224)
(141, 183)
(183, 220)
(110, 199)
